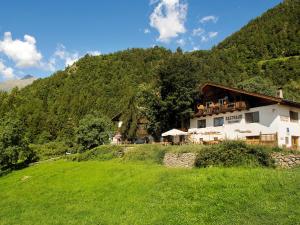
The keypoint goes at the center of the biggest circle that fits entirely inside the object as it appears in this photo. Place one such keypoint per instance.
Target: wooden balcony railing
(218, 108)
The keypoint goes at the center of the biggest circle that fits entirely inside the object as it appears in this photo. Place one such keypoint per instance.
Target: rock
(285, 161)
(182, 160)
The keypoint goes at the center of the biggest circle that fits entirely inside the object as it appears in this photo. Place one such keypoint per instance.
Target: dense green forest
(157, 83)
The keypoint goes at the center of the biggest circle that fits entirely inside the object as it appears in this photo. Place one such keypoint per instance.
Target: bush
(44, 137)
(49, 150)
(104, 152)
(14, 150)
(234, 153)
(93, 131)
(229, 153)
(151, 153)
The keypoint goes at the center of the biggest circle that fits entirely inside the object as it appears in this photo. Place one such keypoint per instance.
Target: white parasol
(174, 132)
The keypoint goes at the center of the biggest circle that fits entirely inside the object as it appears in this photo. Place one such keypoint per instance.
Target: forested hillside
(157, 83)
(103, 85)
(268, 47)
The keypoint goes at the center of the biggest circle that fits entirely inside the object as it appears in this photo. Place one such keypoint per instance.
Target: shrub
(93, 131)
(104, 152)
(14, 150)
(44, 137)
(234, 153)
(49, 150)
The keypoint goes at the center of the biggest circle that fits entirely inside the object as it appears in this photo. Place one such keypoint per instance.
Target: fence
(263, 139)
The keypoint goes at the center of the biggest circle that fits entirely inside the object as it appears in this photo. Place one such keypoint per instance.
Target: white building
(230, 113)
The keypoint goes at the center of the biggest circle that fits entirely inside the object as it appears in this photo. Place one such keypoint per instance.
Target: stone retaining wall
(286, 161)
(182, 160)
(188, 160)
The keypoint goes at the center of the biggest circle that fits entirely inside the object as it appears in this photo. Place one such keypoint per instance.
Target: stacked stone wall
(188, 160)
(182, 160)
(286, 161)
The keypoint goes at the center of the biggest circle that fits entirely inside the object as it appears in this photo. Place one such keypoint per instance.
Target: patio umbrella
(173, 132)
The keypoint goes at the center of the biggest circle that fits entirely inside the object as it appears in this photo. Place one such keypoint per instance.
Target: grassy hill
(113, 192)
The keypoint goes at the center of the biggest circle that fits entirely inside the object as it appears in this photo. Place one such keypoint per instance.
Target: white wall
(270, 122)
(286, 128)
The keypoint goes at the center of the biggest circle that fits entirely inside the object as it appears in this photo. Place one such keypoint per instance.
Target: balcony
(220, 108)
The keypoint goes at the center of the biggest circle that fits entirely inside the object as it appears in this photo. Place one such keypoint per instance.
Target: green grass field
(114, 192)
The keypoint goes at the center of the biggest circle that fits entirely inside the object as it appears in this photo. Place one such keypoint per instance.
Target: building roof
(272, 99)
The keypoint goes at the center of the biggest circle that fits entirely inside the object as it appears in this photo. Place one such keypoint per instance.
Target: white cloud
(94, 53)
(68, 57)
(198, 32)
(206, 19)
(204, 38)
(50, 65)
(181, 42)
(23, 53)
(212, 34)
(208, 36)
(147, 31)
(169, 18)
(7, 72)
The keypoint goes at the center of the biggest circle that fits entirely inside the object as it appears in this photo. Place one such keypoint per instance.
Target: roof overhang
(275, 100)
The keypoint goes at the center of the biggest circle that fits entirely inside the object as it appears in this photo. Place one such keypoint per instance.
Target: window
(252, 117)
(221, 101)
(201, 123)
(287, 140)
(294, 116)
(218, 121)
(207, 104)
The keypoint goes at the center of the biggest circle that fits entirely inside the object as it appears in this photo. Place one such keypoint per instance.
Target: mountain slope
(274, 34)
(95, 84)
(20, 83)
(269, 47)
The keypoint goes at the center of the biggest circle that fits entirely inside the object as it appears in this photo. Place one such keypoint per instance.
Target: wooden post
(260, 134)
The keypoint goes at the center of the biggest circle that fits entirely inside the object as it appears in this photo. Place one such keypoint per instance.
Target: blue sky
(40, 37)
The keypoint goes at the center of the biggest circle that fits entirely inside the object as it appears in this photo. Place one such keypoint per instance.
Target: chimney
(279, 93)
